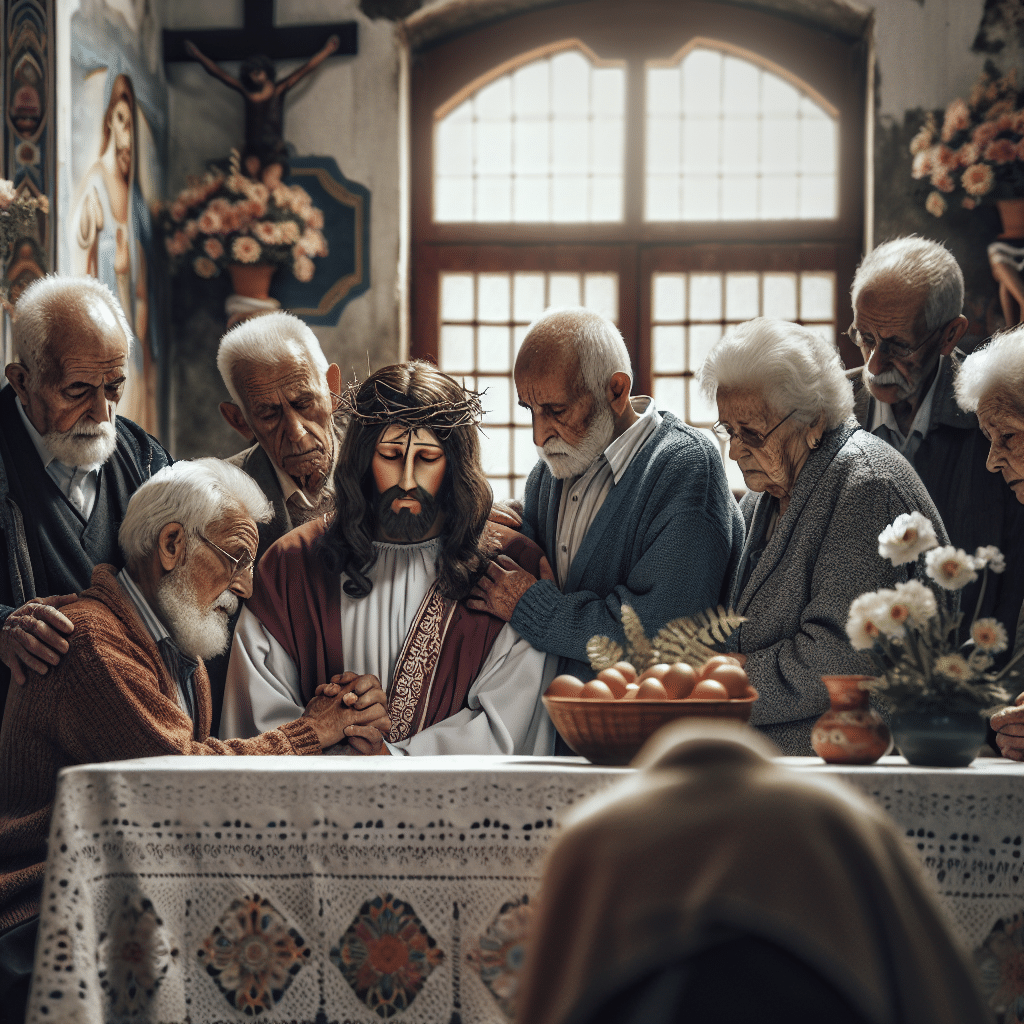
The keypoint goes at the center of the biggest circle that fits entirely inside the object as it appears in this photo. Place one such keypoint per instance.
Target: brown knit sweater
(109, 699)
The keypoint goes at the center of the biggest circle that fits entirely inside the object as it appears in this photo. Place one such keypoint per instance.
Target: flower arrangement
(17, 218)
(978, 152)
(224, 218)
(913, 640)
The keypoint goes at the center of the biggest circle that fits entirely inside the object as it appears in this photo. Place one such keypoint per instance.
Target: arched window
(679, 167)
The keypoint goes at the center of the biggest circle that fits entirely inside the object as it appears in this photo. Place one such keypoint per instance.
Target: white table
(195, 888)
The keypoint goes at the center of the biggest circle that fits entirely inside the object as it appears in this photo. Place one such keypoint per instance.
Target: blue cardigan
(666, 541)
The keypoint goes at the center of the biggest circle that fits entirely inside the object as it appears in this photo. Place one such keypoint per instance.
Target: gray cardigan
(823, 554)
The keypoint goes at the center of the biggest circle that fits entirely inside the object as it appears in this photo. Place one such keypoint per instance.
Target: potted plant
(937, 690)
(977, 153)
(226, 220)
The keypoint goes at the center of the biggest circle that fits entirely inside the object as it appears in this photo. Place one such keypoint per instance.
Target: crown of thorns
(383, 410)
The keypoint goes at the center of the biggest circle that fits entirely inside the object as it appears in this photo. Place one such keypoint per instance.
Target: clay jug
(851, 731)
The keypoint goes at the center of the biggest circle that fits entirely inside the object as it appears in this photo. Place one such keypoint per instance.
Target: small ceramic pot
(851, 731)
(939, 740)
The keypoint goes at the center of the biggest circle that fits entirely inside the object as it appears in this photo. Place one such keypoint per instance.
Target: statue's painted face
(121, 132)
(408, 470)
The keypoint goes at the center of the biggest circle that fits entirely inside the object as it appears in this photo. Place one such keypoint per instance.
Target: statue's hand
(332, 44)
(192, 50)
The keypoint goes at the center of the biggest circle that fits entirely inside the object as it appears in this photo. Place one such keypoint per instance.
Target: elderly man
(133, 683)
(282, 392)
(907, 298)
(631, 506)
(381, 591)
(68, 464)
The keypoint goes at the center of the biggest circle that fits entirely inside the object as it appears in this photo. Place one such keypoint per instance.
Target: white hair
(593, 338)
(999, 364)
(266, 340)
(917, 264)
(44, 307)
(792, 366)
(194, 494)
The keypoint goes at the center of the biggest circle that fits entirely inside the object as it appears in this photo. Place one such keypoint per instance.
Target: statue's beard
(402, 526)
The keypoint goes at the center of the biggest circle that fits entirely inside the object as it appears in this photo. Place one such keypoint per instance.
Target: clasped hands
(351, 707)
(1009, 727)
(498, 591)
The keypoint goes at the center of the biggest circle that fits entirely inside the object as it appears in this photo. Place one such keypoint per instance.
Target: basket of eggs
(609, 718)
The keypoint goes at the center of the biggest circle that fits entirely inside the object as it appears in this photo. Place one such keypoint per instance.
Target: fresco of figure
(114, 234)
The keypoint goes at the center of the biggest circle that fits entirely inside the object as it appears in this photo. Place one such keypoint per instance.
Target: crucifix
(258, 44)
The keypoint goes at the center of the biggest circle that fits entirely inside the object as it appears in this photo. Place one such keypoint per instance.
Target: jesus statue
(381, 589)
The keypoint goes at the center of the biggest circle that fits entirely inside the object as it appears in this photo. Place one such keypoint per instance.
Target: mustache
(887, 379)
(227, 601)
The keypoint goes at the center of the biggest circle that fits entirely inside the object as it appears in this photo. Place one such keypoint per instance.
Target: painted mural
(116, 160)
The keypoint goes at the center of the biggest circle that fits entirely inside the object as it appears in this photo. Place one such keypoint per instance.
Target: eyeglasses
(240, 566)
(751, 438)
(889, 349)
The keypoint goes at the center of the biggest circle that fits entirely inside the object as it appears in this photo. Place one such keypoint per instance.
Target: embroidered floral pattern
(253, 955)
(1000, 963)
(386, 955)
(498, 956)
(133, 956)
(417, 662)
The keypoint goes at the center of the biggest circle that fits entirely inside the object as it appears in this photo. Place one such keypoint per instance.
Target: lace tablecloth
(302, 889)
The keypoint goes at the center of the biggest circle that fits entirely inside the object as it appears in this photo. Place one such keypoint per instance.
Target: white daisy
(893, 614)
(864, 624)
(919, 600)
(907, 537)
(989, 635)
(952, 568)
(990, 557)
(953, 666)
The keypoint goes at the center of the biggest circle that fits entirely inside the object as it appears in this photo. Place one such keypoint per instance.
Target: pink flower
(191, 229)
(1002, 151)
(213, 248)
(943, 180)
(967, 203)
(303, 269)
(984, 134)
(921, 167)
(969, 153)
(935, 204)
(246, 250)
(177, 244)
(978, 179)
(209, 222)
(923, 139)
(204, 267)
(289, 232)
(958, 117)
(267, 232)
(945, 157)
(220, 206)
(312, 243)
(178, 210)
(315, 219)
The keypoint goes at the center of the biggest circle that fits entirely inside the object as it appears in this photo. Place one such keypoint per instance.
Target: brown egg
(712, 663)
(614, 679)
(597, 690)
(709, 689)
(732, 677)
(631, 691)
(679, 680)
(651, 689)
(626, 668)
(654, 672)
(564, 686)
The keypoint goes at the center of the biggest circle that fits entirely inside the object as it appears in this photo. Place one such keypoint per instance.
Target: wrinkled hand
(1009, 727)
(31, 636)
(499, 591)
(507, 513)
(350, 707)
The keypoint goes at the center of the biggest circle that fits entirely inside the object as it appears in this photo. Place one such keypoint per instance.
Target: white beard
(200, 634)
(85, 445)
(565, 461)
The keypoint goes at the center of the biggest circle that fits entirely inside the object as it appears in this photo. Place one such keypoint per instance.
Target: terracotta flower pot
(1012, 213)
(851, 731)
(252, 279)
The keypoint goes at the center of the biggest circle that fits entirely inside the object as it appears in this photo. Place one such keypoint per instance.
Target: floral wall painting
(116, 160)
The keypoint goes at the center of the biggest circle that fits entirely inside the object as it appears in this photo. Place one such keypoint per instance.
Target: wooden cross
(259, 35)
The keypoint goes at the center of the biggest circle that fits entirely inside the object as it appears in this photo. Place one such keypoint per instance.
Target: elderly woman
(991, 384)
(821, 491)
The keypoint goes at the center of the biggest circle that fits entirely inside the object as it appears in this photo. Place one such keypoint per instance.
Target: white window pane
(569, 146)
(779, 199)
(740, 136)
(501, 489)
(817, 147)
(662, 198)
(702, 340)
(455, 352)
(530, 147)
(606, 198)
(570, 83)
(778, 96)
(739, 197)
(663, 91)
(530, 87)
(669, 301)
(780, 146)
(606, 146)
(493, 148)
(495, 453)
(608, 91)
(702, 78)
(701, 197)
(700, 410)
(701, 145)
(669, 395)
(524, 455)
(453, 199)
(741, 297)
(494, 351)
(497, 402)
(601, 294)
(818, 196)
(826, 331)
(532, 199)
(668, 353)
(456, 297)
(779, 296)
(705, 296)
(493, 199)
(564, 290)
(453, 148)
(569, 199)
(662, 145)
(528, 296)
(493, 301)
(494, 102)
(817, 296)
(741, 89)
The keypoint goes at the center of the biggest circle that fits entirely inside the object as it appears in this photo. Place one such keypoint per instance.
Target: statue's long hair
(412, 395)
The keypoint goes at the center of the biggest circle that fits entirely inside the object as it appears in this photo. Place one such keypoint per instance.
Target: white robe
(504, 713)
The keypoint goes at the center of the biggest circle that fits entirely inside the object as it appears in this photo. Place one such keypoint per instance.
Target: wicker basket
(612, 731)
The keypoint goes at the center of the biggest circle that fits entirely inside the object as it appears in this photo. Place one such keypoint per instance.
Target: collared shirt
(181, 667)
(79, 485)
(883, 422)
(583, 496)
